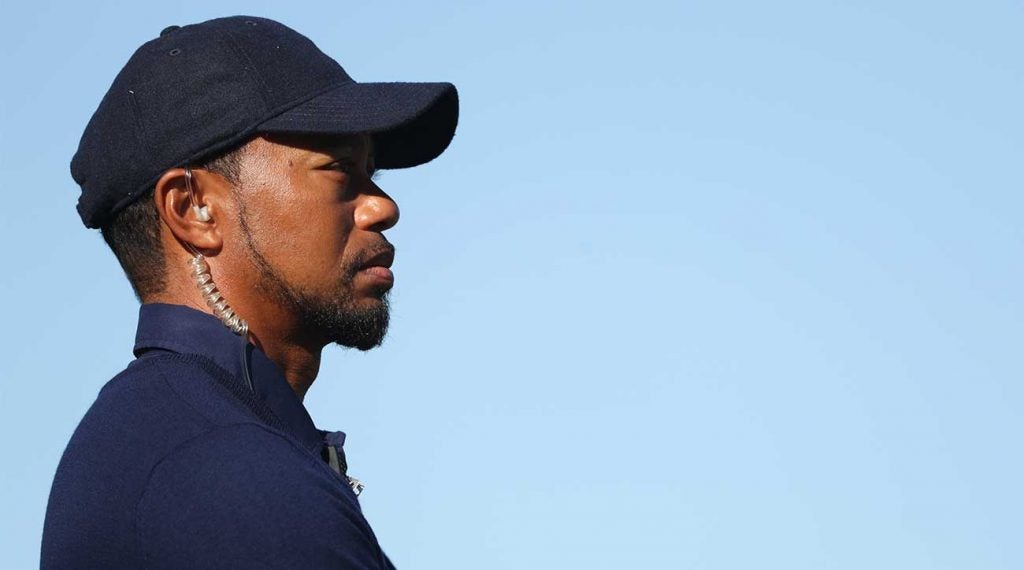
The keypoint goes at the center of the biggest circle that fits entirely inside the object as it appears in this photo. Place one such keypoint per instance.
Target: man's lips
(378, 266)
(379, 273)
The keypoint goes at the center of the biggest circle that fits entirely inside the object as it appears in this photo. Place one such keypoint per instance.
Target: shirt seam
(199, 360)
(158, 365)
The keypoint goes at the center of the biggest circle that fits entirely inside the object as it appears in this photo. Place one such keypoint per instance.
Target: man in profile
(230, 169)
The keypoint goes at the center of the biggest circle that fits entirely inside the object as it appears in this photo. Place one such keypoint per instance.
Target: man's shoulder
(151, 407)
(151, 478)
(256, 497)
(149, 412)
(158, 399)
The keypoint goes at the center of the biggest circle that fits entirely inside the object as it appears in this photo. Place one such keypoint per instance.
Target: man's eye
(340, 166)
(348, 167)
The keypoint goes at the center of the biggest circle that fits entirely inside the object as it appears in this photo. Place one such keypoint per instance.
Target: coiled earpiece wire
(204, 281)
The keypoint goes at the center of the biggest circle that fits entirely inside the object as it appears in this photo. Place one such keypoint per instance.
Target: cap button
(168, 30)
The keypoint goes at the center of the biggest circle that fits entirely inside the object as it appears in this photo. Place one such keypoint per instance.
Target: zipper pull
(356, 485)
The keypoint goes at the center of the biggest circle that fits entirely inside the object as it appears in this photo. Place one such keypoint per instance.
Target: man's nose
(376, 211)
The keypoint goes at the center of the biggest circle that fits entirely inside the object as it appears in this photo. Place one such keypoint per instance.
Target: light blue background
(698, 284)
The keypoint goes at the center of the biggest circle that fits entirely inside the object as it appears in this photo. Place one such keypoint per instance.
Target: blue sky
(697, 285)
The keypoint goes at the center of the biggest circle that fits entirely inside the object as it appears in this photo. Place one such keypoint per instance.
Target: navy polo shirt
(181, 464)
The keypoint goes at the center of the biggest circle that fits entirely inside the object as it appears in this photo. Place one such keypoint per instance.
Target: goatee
(335, 315)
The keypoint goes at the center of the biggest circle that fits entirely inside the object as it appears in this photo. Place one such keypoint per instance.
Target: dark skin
(311, 211)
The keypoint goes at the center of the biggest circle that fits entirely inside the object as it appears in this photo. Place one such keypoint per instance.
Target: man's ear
(175, 204)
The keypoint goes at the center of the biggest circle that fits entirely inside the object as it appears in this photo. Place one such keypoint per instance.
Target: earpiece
(202, 212)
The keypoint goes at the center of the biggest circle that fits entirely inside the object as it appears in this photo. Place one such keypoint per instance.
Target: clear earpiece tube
(216, 302)
(204, 280)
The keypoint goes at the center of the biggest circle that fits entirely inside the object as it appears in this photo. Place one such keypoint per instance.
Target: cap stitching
(251, 67)
(140, 127)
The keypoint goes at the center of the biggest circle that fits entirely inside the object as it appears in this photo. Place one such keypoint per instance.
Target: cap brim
(412, 123)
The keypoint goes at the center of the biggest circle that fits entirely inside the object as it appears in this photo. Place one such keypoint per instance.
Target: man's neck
(299, 362)
(273, 331)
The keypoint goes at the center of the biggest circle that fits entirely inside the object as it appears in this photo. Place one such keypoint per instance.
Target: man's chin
(365, 340)
(360, 347)
(363, 327)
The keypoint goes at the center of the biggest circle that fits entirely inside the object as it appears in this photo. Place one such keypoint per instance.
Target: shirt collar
(188, 331)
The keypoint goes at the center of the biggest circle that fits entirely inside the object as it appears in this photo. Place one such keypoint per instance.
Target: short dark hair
(134, 232)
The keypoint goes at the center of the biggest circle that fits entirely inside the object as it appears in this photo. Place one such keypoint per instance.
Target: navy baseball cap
(202, 89)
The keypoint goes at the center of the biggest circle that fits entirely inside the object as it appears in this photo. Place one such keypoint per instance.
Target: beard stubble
(334, 314)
